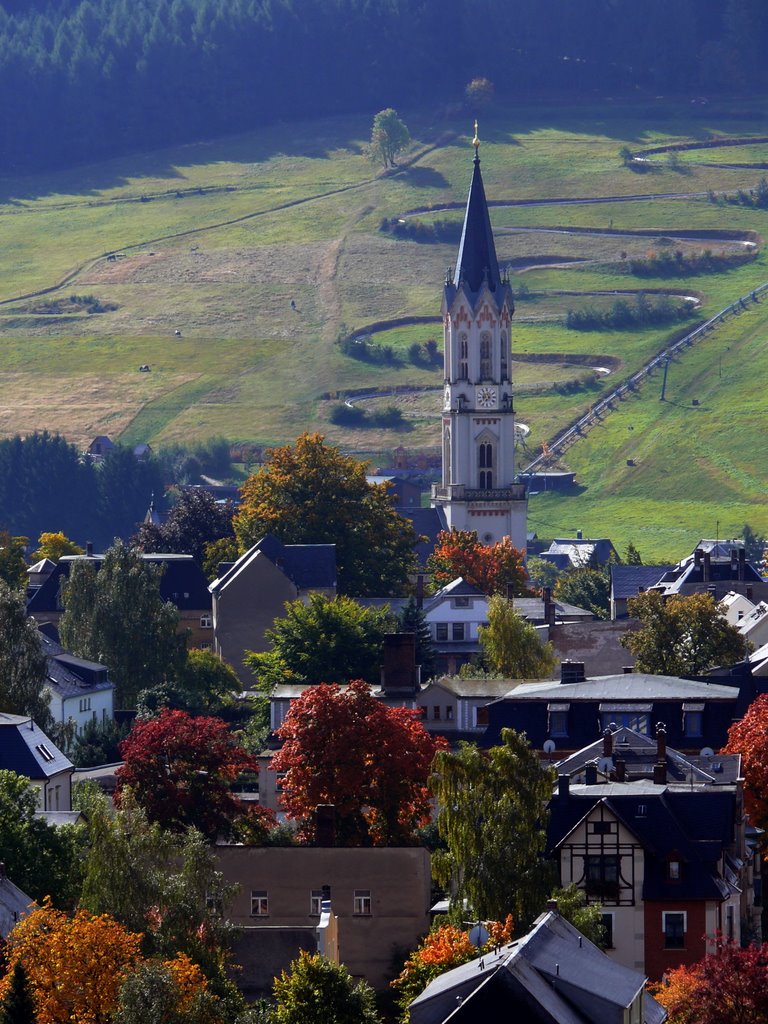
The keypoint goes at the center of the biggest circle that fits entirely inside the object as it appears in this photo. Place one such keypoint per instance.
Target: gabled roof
(456, 588)
(628, 580)
(552, 975)
(629, 687)
(309, 566)
(580, 551)
(26, 750)
(13, 904)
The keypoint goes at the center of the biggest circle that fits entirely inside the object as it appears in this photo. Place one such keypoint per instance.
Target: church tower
(478, 489)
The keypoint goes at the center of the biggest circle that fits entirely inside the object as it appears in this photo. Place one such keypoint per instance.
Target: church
(478, 489)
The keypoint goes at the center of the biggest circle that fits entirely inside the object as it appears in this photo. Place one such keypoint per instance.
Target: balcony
(458, 492)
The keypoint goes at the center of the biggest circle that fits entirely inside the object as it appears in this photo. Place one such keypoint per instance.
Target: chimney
(572, 672)
(590, 774)
(621, 769)
(697, 558)
(563, 786)
(707, 567)
(660, 773)
(549, 606)
(399, 673)
(552, 906)
(742, 563)
(420, 590)
(607, 743)
(579, 535)
(325, 825)
(89, 549)
(661, 742)
(734, 563)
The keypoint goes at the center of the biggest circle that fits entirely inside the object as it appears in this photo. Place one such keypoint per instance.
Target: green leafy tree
(153, 992)
(310, 493)
(98, 743)
(23, 667)
(115, 615)
(587, 917)
(40, 859)
(18, 1006)
(389, 136)
(13, 567)
(413, 620)
(216, 552)
(511, 646)
(755, 544)
(204, 685)
(315, 990)
(493, 819)
(541, 572)
(586, 587)
(682, 635)
(632, 555)
(328, 639)
(194, 522)
(54, 545)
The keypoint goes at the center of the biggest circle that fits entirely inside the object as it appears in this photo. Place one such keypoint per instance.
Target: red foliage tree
(370, 761)
(492, 568)
(726, 987)
(749, 737)
(180, 769)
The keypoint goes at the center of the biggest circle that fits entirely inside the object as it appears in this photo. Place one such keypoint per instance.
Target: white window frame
(206, 622)
(315, 902)
(361, 904)
(259, 903)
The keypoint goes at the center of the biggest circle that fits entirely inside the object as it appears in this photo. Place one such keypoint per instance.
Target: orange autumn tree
(444, 948)
(749, 737)
(492, 568)
(75, 965)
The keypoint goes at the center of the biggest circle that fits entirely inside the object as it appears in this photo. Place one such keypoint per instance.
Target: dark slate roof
(428, 523)
(688, 574)
(476, 262)
(26, 750)
(309, 566)
(552, 975)
(628, 580)
(532, 608)
(13, 903)
(696, 825)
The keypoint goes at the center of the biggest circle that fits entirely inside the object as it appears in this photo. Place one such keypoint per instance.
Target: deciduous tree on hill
(492, 568)
(54, 545)
(389, 136)
(371, 761)
(682, 635)
(180, 770)
(310, 493)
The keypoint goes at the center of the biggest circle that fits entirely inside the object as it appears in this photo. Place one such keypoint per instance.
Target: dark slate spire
(477, 253)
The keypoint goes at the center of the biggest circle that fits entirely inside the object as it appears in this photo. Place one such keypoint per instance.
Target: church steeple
(476, 263)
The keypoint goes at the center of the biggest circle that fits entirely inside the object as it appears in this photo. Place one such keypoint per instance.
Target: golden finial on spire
(476, 140)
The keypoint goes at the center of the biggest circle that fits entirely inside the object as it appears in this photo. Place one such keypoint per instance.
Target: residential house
(99, 447)
(80, 690)
(754, 625)
(628, 581)
(405, 493)
(579, 552)
(182, 582)
(380, 896)
(552, 975)
(666, 858)
(14, 904)
(26, 750)
(252, 592)
(735, 607)
(569, 715)
(715, 567)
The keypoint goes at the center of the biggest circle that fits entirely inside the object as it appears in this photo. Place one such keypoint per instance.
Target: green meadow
(262, 249)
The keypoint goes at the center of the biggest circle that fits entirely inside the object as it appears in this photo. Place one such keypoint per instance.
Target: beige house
(379, 896)
(252, 592)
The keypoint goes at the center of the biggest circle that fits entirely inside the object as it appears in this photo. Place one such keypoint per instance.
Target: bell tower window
(486, 372)
(485, 465)
(503, 356)
(463, 357)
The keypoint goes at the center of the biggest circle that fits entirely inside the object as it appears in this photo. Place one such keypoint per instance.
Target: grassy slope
(238, 228)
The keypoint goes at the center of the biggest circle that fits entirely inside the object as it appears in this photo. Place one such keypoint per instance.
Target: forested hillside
(82, 79)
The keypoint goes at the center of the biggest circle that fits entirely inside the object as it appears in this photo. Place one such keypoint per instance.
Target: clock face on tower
(486, 397)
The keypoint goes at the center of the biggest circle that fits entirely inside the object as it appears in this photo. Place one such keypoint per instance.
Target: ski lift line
(572, 433)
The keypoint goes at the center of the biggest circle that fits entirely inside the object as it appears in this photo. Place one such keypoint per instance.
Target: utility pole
(664, 381)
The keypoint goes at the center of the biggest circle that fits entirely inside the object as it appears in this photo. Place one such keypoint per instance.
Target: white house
(80, 690)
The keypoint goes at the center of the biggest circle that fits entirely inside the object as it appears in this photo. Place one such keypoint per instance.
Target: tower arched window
(463, 357)
(447, 455)
(503, 363)
(486, 362)
(485, 465)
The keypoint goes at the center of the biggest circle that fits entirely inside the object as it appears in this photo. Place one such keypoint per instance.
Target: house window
(673, 870)
(315, 902)
(673, 926)
(485, 465)
(206, 645)
(85, 703)
(602, 828)
(214, 903)
(441, 631)
(362, 903)
(693, 720)
(259, 903)
(463, 357)
(730, 931)
(503, 355)
(457, 630)
(436, 712)
(449, 713)
(607, 922)
(485, 356)
(206, 622)
(635, 720)
(602, 875)
(558, 722)
(461, 602)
